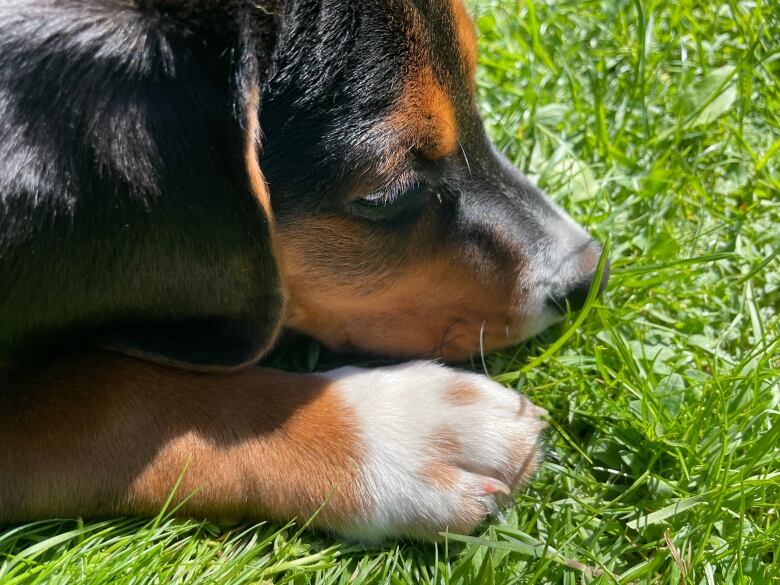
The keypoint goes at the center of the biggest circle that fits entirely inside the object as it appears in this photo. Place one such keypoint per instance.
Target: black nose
(578, 292)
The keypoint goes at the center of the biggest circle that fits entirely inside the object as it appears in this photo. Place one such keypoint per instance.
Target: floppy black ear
(147, 224)
(231, 314)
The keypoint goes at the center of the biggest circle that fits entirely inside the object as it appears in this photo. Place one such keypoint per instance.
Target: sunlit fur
(180, 180)
(467, 257)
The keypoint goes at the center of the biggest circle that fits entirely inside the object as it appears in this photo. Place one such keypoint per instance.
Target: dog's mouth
(448, 338)
(451, 310)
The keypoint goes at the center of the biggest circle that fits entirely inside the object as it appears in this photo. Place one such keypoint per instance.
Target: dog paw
(442, 449)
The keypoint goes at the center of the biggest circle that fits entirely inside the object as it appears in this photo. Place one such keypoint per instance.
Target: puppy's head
(402, 231)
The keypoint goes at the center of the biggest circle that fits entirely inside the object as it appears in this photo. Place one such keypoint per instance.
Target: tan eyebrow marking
(425, 116)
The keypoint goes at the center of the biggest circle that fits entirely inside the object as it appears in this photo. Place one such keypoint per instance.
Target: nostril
(578, 292)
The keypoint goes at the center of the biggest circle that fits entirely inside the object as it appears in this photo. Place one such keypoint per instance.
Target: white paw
(440, 447)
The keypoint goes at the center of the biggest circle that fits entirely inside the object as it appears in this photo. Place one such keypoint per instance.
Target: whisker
(482, 347)
(465, 157)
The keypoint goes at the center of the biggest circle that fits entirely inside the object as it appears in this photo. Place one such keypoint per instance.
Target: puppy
(182, 179)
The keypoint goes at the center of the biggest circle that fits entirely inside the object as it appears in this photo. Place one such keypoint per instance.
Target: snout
(573, 293)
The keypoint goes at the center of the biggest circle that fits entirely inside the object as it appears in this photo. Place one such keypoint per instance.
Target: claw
(528, 408)
(495, 486)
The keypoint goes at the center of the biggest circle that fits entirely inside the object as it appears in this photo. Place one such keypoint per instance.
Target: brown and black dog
(182, 179)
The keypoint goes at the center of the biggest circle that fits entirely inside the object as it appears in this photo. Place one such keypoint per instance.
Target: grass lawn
(656, 123)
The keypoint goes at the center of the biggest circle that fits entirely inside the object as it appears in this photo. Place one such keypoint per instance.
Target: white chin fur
(535, 325)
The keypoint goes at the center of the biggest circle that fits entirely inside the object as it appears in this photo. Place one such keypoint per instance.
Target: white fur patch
(401, 411)
(556, 266)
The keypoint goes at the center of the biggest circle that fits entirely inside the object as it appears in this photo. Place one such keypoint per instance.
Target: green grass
(655, 123)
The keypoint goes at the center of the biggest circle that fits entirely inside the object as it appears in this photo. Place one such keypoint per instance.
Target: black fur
(338, 71)
(126, 212)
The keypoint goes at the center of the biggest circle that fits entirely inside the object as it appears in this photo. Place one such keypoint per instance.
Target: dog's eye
(388, 203)
(377, 198)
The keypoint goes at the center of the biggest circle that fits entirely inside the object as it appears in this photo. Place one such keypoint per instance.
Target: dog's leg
(406, 450)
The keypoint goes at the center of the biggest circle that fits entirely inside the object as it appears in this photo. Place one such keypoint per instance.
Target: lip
(535, 325)
(553, 304)
(464, 345)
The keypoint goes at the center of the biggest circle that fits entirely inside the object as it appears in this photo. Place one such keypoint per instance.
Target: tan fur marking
(425, 116)
(445, 443)
(441, 475)
(467, 36)
(256, 179)
(260, 188)
(111, 435)
(440, 470)
(462, 394)
(433, 305)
